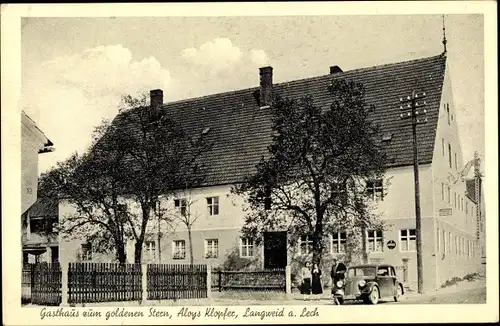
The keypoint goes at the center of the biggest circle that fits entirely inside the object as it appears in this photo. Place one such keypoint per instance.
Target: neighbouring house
(33, 143)
(238, 123)
(40, 240)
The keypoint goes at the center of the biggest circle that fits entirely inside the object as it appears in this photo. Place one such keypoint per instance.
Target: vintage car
(369, 283)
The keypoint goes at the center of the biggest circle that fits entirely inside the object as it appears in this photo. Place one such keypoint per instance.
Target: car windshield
(361, 271)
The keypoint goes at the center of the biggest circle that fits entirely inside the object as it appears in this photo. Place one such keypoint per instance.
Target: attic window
(387, 137)
(205, 131)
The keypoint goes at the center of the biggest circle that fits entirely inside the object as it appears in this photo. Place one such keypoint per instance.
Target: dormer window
(205, 131)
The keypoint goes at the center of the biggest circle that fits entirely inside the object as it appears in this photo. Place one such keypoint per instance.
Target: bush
(234, 262)
(451, 282)
(470, 277)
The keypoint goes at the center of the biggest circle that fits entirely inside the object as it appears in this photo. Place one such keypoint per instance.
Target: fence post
(144, 268)
(288, 281)
(209, 281)
(64, 284)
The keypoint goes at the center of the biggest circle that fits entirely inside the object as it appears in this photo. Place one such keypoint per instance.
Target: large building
(33, 143)
(238, 124)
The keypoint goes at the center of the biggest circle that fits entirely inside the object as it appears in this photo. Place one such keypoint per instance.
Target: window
(442, 146)
(41, 225)
(408, 239)
(375, 241)
(150, 250)
(450, 242)
(305, 245)
(449, 154)
(213, 205)
(457, 246)
(181, 205)
(455, 199)
(449, 195)
(87, 251)
(456, 164)
(375, 189)
(339, 240)
(383, 271)
(438, 239)
(179, 249)
(448, 112)
(211, 248)
(442, 190)
(247, 248)
(462, 203)
(467, 207)
(339, 192)
(445, 242)
(267, 199)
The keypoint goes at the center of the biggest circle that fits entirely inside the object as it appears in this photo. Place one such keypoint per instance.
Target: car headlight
(339, 284)
(361, 283)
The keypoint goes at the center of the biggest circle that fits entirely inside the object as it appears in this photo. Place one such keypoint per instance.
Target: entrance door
(275, 252)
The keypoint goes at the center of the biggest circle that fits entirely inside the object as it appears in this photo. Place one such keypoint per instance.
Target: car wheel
(399, 293)
(374, 296)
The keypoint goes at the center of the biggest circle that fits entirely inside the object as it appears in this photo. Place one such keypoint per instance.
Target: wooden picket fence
(26, 282)
(104, 282)
(260, 280)
(41, 284)
(165, 281)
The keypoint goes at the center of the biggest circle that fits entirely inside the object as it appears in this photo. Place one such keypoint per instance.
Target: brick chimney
(156, 96)
(335, 70)
(266, 86)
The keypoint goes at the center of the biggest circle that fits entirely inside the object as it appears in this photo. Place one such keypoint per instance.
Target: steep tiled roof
(44, 207)
(240, 130)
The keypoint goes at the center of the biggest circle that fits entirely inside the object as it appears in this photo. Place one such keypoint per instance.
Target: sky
(74, 70)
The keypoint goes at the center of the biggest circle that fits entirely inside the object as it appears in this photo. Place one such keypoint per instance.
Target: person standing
(316, 286)
(337, 272)
(306, 276)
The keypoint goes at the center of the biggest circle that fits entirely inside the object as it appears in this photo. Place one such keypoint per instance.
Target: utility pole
(412, 104)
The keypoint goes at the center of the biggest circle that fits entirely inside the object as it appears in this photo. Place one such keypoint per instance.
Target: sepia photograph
(249, 167)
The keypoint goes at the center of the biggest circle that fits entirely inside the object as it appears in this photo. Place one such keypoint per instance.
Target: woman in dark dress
(316, 285)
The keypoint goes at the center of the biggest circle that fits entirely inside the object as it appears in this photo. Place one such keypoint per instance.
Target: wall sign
(391, 244)
(445, 212)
